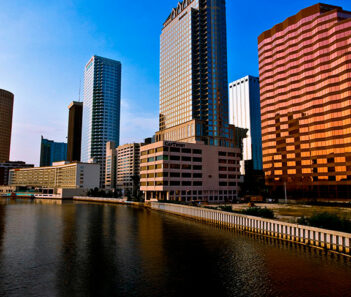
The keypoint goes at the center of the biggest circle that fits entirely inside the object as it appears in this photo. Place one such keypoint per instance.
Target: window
(197, 175)
(159, 158)
(186, 151)
(187, 159)
(222, 154)
(197, 152)
(174, 174)
(175, 183)
(175, 158)
(175, 150)
(222, 176)
(222, 168)
(174, 166)
(222, 161)
(197, 159)
(197, 183)
(231, 155)
(186, 183)
(222, 184)
(197, 167)
(186, 166)
(186, 174)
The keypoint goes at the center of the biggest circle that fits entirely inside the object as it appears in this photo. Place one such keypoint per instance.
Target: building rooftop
(317, 8)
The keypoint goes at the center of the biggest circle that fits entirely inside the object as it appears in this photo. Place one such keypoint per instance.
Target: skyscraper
(101, 109)
(196, 154)
(245, 112)
(74, 131)
(305, 81)
(52, 151)
(6, 111)
(193, 74)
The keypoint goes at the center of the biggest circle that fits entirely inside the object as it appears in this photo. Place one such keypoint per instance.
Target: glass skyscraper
(193, 74)
(51, 151)
(101, 109)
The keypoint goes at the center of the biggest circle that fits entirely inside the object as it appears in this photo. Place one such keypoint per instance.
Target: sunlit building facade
(180, 171)
(305, 81)
(128, 166)
(193, 74)
(245, 112)
(101, 109)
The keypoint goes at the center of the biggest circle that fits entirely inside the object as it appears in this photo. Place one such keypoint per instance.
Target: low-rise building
(7, 166)
(189, 172)
(128, 166)
(63, 179)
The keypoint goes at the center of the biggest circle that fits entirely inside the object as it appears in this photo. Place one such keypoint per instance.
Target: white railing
(322, 238)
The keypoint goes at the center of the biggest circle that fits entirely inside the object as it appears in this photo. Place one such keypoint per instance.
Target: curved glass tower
(101, 109)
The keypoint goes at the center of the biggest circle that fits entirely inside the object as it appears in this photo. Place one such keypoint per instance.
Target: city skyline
(44, 112)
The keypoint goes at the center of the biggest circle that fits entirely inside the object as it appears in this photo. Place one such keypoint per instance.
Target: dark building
(52, 151)
(6, 111)
(7, 166)
(74, 131)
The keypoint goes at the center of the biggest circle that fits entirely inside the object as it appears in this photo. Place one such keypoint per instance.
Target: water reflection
(79, 249)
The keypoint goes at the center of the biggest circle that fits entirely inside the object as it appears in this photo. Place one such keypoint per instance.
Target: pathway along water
(82, 249)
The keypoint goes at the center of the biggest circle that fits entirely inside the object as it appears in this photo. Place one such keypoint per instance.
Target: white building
(245, 112)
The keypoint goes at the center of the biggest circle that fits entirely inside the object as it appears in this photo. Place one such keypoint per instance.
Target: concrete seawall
(107, 200)
(315, 237)
(327, 240)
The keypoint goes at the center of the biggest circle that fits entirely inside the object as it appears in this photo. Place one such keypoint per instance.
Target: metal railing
(316, 237)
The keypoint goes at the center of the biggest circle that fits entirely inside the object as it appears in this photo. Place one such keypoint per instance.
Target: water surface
(83, 249)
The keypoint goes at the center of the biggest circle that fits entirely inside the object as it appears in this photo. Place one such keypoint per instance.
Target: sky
(45, 44)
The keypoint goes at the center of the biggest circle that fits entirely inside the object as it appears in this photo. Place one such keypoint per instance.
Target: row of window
(171, 166)
(172, 150)
(172, 174)
(171, 183)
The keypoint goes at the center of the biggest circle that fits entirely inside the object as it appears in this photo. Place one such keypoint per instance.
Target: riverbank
(107, 200)
(328, 240)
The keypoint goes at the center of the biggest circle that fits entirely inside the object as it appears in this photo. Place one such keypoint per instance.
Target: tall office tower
(305, 82)
(193, 74)
(110, 169)
(6, 111)
(74, 131)
(101, 109)
(245, 112)
(128, 166)
(52, 151)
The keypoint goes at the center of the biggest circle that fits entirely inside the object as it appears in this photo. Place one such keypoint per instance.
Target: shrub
(327, 220)
(259, 212)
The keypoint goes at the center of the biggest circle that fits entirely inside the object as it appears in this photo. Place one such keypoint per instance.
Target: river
(89, 249)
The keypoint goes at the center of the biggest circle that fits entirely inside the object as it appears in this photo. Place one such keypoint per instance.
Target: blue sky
(44, 46)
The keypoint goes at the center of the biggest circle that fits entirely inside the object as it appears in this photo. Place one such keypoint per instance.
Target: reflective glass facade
(51, 151)
(101, 109)
(193, 70)
(305, 79)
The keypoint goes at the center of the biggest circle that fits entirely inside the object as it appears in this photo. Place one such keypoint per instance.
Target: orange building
(305, 79)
